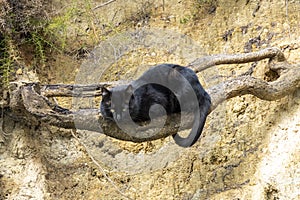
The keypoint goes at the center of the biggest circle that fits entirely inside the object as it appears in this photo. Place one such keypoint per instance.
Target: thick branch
(90, 119)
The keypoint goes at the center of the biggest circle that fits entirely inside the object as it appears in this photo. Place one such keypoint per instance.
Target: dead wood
(30, 102)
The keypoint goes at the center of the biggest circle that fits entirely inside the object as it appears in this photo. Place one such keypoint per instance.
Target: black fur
(166, 85)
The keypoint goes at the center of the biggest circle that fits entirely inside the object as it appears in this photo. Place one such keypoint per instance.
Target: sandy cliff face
(249, 148)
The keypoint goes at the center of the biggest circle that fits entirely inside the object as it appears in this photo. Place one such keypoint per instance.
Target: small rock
(19, 71)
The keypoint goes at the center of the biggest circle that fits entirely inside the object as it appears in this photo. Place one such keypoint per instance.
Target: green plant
(8, 59)
(185, 20)
(56, 28)
(39, 44)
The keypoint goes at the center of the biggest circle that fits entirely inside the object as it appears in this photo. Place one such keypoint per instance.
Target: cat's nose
(118, 116)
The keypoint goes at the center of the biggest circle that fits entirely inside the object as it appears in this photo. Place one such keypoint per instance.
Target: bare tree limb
(198, 65)
(32, 104)
(67, 90)
(203, 63)
(270, 91)
(87, 119)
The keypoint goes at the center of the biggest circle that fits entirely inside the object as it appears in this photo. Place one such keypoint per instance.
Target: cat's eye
(112, 110)
(124, 109)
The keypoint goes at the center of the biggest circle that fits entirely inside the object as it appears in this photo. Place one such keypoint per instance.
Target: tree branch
(67, 90)
(288, 82)
(34, 104)
(203, 63)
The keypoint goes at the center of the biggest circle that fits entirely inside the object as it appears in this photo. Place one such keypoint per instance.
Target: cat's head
(115, 102)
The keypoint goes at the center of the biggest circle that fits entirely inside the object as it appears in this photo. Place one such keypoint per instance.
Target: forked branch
(35, 104)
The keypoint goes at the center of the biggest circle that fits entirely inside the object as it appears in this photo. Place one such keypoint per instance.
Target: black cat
(175, 88)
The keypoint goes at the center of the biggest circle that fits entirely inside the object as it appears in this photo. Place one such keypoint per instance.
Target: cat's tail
(198, 124)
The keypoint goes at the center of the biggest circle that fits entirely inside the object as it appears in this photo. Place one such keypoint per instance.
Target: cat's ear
(105, 91)
(129, 89)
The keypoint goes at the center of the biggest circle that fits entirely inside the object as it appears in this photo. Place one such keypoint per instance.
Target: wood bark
(29, 101)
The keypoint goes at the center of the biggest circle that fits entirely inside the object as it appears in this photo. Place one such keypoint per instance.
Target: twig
(98, 165)
(104, 4)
